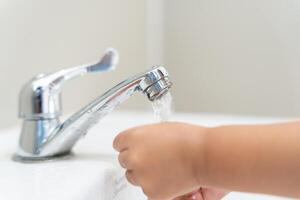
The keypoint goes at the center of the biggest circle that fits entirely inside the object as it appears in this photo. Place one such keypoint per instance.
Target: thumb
(183, 198)
(192, 196)
(178, 198)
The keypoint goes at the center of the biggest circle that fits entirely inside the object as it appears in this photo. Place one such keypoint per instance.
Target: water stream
(163, 108)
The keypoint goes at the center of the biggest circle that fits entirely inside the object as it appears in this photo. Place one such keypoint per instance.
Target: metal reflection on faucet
(44, 136)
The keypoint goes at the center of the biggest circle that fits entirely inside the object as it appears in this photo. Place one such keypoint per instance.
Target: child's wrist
(207, 167)
(200, 165)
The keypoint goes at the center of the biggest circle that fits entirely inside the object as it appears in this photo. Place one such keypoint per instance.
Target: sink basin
(92, 172)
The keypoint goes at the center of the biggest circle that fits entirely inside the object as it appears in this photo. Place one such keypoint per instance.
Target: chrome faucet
(43, 136)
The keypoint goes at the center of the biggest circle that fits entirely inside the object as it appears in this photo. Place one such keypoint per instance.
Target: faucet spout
(61, 137)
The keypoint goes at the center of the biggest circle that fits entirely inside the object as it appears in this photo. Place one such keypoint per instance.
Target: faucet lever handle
(108, 62)
(40, 98)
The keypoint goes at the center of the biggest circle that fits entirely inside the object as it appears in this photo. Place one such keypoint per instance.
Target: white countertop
(92, 173)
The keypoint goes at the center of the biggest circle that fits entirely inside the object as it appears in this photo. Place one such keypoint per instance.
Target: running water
(163, 108)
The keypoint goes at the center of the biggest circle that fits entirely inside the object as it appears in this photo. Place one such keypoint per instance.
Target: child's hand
(163, 159)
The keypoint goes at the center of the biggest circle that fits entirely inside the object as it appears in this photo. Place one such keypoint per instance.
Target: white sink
(92, 173)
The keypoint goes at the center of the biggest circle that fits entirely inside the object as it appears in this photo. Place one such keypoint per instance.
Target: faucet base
(62, 156)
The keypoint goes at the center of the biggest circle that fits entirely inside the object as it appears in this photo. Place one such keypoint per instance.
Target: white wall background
(233, 56)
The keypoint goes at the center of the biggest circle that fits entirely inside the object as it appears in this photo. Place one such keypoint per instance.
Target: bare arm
(255, 158)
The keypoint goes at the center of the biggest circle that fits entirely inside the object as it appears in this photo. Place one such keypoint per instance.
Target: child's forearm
(254, 158)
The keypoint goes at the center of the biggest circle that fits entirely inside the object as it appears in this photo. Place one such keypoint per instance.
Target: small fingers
(131, 178)
(121, 142)
(124, 160)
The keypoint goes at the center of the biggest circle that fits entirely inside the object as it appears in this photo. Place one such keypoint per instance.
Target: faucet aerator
(158, 89)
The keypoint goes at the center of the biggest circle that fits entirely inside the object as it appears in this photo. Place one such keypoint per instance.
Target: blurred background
(235, 56)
